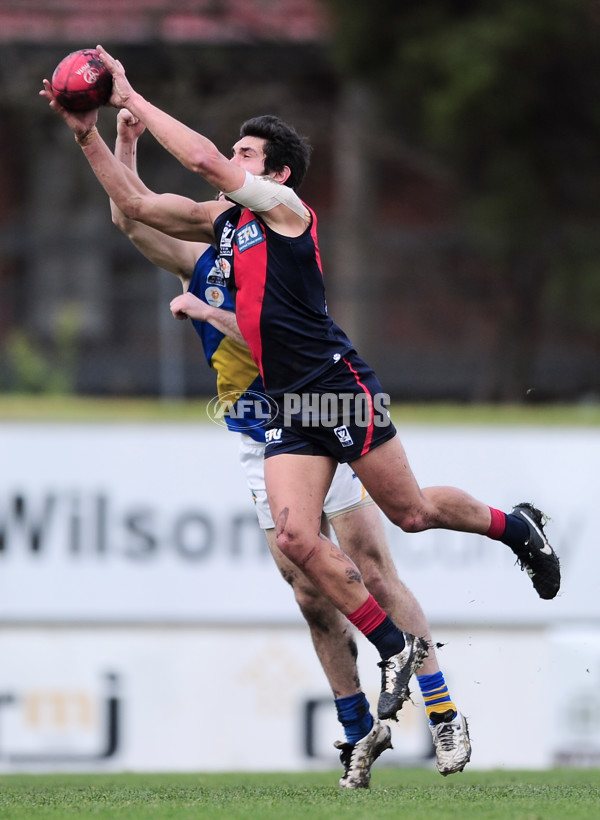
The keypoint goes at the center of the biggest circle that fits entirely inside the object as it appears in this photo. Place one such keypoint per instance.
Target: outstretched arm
(175, 255)
(172, 214)
(194, 151)
(283, 212)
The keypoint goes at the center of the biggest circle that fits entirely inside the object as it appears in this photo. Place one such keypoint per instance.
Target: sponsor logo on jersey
(248, 235)
(344, 436)
(273, 435)
(214, 296)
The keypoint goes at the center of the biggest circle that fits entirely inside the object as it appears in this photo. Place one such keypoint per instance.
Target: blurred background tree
(504, 97)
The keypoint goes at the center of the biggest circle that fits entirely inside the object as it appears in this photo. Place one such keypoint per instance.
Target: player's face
(249, 154)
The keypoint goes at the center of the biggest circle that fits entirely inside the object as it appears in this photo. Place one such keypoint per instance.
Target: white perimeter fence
(145, 627)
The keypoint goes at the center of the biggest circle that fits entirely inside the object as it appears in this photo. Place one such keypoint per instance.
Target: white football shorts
(345, 494)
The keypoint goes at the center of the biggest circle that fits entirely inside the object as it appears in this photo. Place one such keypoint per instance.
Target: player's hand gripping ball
(81, 82)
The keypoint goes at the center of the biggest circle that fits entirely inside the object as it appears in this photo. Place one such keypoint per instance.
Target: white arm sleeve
(262, 193)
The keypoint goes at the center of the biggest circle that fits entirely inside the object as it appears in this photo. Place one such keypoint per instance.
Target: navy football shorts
(343, 414)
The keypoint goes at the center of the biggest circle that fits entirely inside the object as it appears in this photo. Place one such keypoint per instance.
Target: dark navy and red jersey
(279, 300)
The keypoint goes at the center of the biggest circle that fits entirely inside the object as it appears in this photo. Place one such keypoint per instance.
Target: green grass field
(406, 794)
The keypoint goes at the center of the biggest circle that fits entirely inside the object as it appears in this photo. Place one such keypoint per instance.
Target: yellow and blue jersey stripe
(238, 378)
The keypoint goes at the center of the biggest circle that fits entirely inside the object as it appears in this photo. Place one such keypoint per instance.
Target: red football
(81, 82)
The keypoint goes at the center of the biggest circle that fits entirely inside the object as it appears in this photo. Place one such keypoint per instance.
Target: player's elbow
(197, 160)
(209, 166)
(135, 207)
(119, 219)
(198, 165)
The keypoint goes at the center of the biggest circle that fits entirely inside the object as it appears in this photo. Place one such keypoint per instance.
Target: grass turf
(407, 794)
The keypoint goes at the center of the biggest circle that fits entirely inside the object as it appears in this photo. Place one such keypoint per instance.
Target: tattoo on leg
(282, 520)
(353, 575)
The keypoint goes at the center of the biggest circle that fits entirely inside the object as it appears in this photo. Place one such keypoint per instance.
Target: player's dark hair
(283, 146)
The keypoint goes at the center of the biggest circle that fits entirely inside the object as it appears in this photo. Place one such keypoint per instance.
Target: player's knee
(409, 520)
(291, 543)
(411, 524)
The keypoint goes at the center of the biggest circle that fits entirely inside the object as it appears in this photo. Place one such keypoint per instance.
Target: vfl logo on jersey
(226, 244)
(214, 296)
(344, 436)
(249, 235)
(273, 435)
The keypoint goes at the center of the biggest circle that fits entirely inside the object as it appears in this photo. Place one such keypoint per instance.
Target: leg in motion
(361, 533)
(386, 474)
(297, 529)
(366, 737)
(523, 531)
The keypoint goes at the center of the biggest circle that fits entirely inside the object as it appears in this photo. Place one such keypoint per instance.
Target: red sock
(368, 616)
(497, 525)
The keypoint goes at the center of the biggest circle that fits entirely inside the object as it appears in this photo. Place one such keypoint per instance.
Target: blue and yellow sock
(435, 694)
